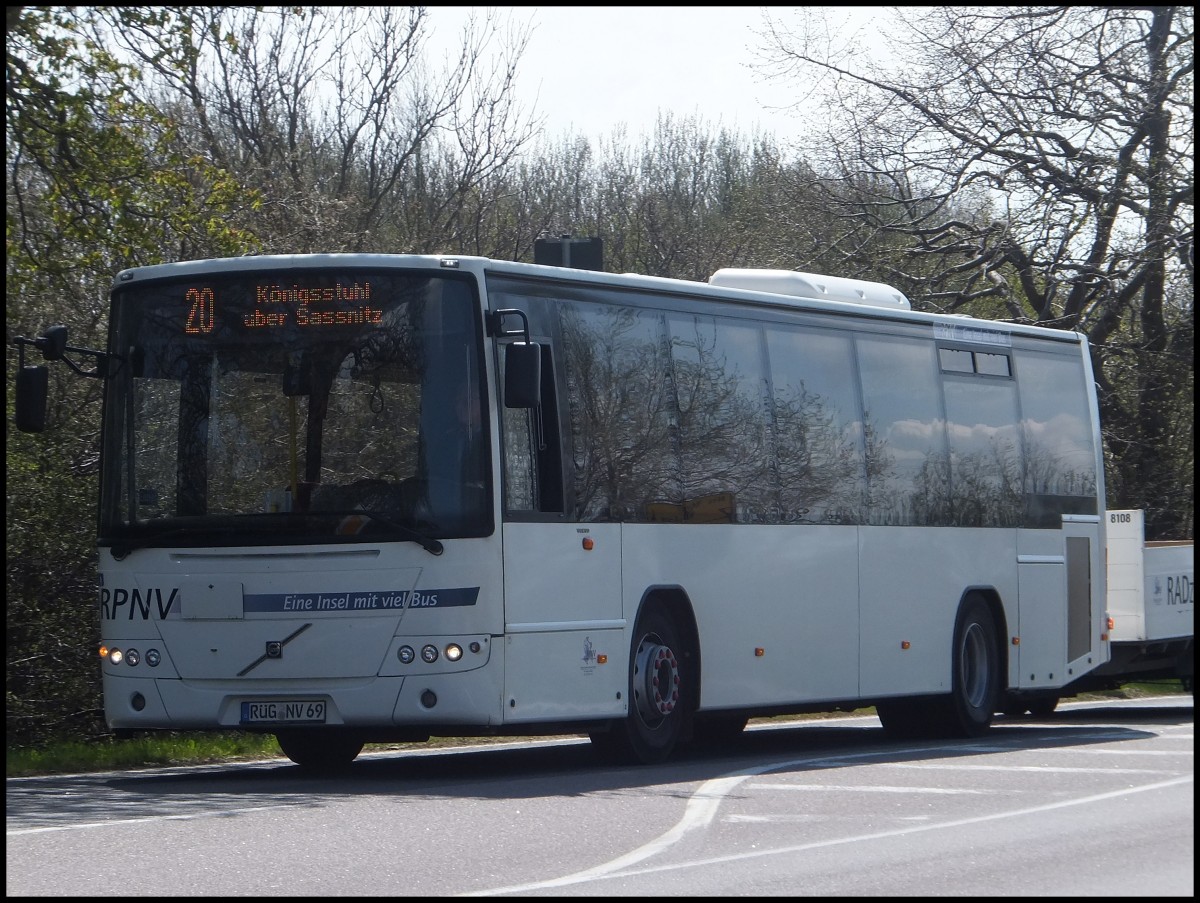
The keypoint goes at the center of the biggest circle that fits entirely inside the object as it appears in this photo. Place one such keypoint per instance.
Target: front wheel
(658, 694)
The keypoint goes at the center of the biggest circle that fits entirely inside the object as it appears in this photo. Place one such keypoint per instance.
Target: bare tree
(356, 138)
(1035, 164)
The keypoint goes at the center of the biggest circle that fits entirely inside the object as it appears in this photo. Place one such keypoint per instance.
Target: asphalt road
(1096, 800)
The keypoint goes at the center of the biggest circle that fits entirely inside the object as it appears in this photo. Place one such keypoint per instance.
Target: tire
(320, 751)
(975, 685)
(658, 695)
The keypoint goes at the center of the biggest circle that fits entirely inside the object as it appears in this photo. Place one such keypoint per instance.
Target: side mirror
(523, 375)
(32, 385)
(53, 343)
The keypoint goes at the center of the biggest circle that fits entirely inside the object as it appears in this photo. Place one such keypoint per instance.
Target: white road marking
(703, 805)
(871, 788)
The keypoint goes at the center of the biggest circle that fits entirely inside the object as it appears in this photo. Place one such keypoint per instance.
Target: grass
(152, 750)
(165, 749)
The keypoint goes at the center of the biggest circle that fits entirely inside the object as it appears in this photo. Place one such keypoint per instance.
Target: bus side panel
(1087, 589)
(565, 674)
(1038, 633)
(1061, 609)
(566, 645)
(790, 591)
(912, 581)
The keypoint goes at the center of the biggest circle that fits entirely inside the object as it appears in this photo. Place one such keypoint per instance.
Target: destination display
(270, 306)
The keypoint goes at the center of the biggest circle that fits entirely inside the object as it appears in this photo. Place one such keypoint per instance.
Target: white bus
(356, 498)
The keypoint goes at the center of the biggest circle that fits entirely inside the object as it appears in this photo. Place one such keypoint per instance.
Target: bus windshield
(315, 405)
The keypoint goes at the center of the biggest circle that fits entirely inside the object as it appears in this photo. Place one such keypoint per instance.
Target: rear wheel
(658, 710)
(320, 751)
(972, 702)
(975, 685)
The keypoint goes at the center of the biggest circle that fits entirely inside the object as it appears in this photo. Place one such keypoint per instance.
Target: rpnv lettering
(136, 605)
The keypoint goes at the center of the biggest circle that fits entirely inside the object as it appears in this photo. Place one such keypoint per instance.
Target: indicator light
(759, 651)
(104, 652)
(588, 543)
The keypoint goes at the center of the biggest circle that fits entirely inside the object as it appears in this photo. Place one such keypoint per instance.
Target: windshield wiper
(120, 549)
(428, 543)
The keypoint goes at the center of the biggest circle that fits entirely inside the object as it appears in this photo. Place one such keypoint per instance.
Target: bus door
(566, 647)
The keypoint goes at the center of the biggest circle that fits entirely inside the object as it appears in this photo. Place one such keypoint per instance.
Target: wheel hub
(656, 681)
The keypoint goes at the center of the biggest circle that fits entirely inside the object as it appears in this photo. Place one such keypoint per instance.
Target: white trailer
(1151, 604)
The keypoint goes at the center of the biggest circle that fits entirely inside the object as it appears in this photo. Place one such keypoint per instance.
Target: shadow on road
(565, 767)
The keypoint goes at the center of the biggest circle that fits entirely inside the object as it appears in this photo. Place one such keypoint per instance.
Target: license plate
(284, 711)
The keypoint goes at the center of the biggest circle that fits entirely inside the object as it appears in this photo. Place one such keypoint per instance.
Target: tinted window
(723, 431)
(985, 459)
(817, 425)
(1060, 459)
(908, 472)
(621, 411)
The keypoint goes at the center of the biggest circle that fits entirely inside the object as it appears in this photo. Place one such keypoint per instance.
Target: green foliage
(52, 673)
(97, 183)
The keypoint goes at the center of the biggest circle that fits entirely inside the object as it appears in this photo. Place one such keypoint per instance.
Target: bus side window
(531, 451)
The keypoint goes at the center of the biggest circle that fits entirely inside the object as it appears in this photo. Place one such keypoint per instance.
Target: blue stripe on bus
(360, 600)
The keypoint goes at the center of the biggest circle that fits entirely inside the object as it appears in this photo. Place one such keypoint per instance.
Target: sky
(588, 69)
